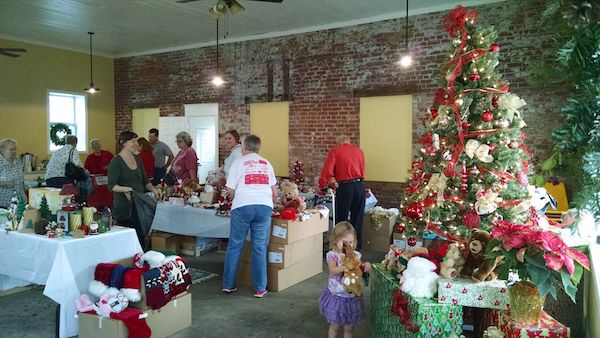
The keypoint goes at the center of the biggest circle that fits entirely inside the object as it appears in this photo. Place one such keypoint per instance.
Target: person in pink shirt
(185, 165)
(345, 164)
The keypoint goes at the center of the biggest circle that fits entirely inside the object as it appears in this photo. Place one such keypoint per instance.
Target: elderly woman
(185, 165)
(232, 142)
(11, 173)
(55, 170)
(97, 161)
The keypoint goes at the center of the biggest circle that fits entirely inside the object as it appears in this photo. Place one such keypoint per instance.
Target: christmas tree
(473, 165)
(298, 175)
(20, 208)
(45, 212)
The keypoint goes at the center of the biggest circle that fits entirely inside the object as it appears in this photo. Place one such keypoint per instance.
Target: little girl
(340, 307)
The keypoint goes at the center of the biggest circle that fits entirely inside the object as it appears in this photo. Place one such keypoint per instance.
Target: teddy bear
(352, 277)
(291, 196)
(452, 263)
(476, 266)
(419, 279)
(397, 259)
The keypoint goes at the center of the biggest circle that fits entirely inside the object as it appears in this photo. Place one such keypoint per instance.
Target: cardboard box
(164, 241)
(281, 256)
(377, 240)
(171, 318)
(196, 246)
(55, 200)
(188, 245)
(280, 279)
(285, 231)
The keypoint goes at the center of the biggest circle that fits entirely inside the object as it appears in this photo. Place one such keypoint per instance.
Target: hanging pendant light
(217, 79)
(91, 89)
(406, 59)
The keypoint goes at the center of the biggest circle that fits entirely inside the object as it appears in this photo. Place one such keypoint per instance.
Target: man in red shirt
(345, 164)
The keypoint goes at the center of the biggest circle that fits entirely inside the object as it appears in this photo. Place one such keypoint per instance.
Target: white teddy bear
(419, 279)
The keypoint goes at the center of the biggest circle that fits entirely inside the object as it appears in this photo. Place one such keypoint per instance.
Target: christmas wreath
(56, 128)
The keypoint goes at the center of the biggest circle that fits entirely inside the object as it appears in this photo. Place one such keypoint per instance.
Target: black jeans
(350, 199)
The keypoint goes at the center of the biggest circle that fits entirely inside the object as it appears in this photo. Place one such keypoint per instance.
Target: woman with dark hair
(234, 145)
(145, 153)
(127, 180)
(185, 165)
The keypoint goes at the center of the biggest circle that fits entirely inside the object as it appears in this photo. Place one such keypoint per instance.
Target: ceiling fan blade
(13, 50)
(277, 1)
(9, 54)
(184, 1)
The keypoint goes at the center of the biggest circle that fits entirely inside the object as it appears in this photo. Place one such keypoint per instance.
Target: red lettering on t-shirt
(256, 179)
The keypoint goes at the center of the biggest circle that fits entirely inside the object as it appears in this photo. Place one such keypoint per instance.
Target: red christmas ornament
(466, 125)
(400, 228)
(513, 144)
(487, 116)
(434, 111)
(411, 241)
(474, 77)
(494, 48)
(471, 219)
(495, 101)
(414, 211)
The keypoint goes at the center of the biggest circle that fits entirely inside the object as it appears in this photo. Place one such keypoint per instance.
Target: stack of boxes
(295, 252)
(377, 237)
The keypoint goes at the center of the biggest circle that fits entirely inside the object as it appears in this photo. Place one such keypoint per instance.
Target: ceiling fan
(12, 52)
(221, 6)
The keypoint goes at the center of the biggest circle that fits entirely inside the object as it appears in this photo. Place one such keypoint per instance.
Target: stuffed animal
(291, 196)
(352, 278)
(476, 266)
(111, 301)
(419, 279)
(397, 259)
(452, 263)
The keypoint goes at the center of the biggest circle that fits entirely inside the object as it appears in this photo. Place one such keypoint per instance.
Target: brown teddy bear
(452, 263)
(477, 267)
(352, 278)
(291, 196)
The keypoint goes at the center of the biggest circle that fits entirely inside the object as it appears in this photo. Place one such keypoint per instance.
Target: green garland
(55, 128)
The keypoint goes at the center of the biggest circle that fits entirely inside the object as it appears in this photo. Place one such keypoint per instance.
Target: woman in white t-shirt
(252, 184)
(232, 142)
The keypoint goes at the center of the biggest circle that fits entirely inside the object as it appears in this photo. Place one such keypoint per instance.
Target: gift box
(466, 292)
(547, 327)
(431, 318)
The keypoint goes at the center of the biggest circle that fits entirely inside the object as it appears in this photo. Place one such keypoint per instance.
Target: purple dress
(336, 304)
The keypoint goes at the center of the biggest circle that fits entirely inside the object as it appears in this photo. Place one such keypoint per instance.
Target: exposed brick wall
(319, 73)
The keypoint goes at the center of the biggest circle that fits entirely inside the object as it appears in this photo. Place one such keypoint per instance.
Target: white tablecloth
(190, 221)
(65, 266)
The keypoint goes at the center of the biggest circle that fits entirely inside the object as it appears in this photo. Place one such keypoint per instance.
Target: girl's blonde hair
(341, 229)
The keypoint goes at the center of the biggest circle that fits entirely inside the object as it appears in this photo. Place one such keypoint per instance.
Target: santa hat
(131, 285)
(101, 278)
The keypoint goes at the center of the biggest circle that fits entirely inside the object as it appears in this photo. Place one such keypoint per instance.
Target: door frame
(204, 109)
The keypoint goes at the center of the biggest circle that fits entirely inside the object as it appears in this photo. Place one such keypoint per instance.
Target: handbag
(74, 171)
(170, 178)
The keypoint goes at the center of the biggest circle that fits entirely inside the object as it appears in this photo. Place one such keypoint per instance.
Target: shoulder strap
(71, 155)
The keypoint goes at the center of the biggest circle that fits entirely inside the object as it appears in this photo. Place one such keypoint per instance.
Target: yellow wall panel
(386, 137)
(270, 122)
(143, 120)
(24, 85)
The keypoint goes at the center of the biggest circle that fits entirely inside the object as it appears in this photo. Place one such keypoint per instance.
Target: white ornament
(512, 103)
(487, 202)
(481, 151)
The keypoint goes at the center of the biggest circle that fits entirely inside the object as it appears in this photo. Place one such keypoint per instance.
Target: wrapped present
(430, 319)
(547, 327)
(465, 292)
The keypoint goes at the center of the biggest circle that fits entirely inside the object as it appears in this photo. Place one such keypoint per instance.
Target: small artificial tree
(45, 212)
(298, 175)
(20, 208)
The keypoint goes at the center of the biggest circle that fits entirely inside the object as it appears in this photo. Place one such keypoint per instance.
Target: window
(71, 109)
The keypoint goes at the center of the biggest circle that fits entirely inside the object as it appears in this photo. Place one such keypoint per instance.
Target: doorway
(203, 121)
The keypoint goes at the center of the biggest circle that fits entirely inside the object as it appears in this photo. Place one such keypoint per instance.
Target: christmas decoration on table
(45, 212)
(377, 215)
(298, 175)
(466, 292)
(53, 229)
(58, 131)
(21, 204)
(547, 327)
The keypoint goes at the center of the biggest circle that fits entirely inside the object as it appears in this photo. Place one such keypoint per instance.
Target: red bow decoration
(456, 19)
(400, 308)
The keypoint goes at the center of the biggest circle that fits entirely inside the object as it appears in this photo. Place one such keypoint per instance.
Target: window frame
(81, 141)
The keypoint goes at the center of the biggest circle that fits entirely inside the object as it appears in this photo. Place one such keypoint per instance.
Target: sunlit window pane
(70, 109)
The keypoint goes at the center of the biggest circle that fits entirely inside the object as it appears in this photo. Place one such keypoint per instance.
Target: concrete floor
(293, 312)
